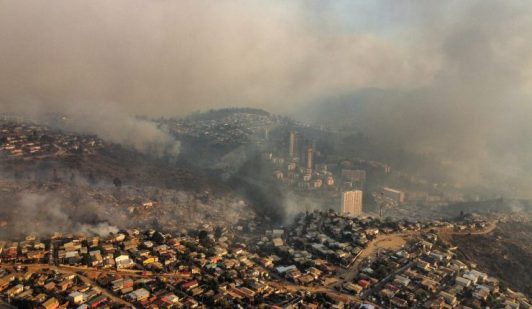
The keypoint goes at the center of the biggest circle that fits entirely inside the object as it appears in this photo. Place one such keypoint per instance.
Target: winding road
(382, 241)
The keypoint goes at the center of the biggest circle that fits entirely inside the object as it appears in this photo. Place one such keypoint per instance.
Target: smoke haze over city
(352, 154)
(454, 77)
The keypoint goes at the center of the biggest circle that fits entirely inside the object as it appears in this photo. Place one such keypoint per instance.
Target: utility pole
(381, 203)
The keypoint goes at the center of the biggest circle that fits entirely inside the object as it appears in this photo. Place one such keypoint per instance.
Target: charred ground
(506, 253)
(73, 182)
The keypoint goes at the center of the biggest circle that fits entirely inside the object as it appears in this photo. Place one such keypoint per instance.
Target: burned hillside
(52, 180)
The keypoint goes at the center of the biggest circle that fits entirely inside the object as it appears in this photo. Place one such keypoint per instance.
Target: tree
(55, 175)
(117, 182)
(204, 238)
(218, 232)
(92, 179)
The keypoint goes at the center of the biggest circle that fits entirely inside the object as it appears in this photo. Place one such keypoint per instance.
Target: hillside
(505, 253)
(54, 180)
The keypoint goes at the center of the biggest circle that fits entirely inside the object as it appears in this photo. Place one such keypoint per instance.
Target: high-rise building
(292, 144)
(352, 202)
(310, 157)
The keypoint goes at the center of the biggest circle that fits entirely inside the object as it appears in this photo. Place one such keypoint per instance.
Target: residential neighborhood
(322, 258)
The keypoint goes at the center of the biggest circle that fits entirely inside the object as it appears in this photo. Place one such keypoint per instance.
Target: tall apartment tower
(292, 144)
(352, 202)
(310, 157)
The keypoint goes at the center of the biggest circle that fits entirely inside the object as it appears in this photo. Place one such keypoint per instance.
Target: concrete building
(394, 195)
(354, 175)
(139, 295)
(352, 202)
(310, 157)
(292, 144)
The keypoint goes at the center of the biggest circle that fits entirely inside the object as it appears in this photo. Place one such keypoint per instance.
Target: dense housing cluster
(322, 258)
(224, 129)
(25, 140)
(423, 274)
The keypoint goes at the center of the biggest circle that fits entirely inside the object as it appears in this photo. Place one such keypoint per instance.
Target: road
(395, 242)
(377, 286)
(490, 228)
(339, 296)
(446, 233)
(39, 267)
(382, 241)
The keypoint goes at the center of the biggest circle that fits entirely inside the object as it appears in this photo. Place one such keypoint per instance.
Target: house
(284, 269)
(51, 303)
(123, 261)
(449, 298)
(277, 233)
(277, 242)
(76, 298)
(461, 281)
(386, 293)
(481, 293)
(429, 284)
(95, 302)
(139, 295)
(14, 291)
(4, 283)
(399, 302)
(190, 285)
(402, 280)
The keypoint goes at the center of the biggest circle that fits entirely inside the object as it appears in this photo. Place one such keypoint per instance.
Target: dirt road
(382, 242)
(39, 267)
(339, 296)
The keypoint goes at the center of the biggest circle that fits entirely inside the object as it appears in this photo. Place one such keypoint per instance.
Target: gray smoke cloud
(173, 57)
(46, 213)
(474, 114)
(103, 62)
(458, 74)
(116, 125)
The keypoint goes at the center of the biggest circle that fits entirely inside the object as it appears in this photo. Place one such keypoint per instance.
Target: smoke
(31, 204)
(110, 122)
(173, 57)
(294, 205)
(118, 127)
(100, 229)
(46, 213)
(474, 115)
(457, 74)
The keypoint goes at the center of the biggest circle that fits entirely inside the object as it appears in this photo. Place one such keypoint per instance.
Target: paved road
(349, 275)
(37, 267)
(388, 278)
(318, 289)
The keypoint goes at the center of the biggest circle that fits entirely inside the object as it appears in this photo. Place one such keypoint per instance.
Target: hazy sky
(170, 57)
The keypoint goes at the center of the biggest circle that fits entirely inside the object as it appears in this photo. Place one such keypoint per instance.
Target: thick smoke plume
(46, 213)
